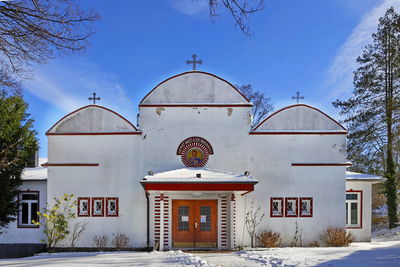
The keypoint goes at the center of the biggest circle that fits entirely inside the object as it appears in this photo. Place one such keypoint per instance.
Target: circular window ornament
(194, 152)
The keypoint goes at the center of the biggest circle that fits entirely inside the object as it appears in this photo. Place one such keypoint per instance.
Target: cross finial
(297, 97)
(94, 98)
(194, 61)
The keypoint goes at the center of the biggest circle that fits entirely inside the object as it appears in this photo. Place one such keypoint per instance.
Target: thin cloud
(190, 7)
(68, 85)
(340, 73)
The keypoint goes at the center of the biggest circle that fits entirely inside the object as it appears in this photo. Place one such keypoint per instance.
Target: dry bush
(121, 241)
(378, 197)
(313, 244)
(337, 237)
(379, 222)
(269, 239)
(100, 241)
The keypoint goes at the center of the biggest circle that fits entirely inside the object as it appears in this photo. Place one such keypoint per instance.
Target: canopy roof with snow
(363, 177)
(194, 87)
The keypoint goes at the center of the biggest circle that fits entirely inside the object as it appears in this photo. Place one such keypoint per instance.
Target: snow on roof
(356, 176)
(206, 175)
(36, 173)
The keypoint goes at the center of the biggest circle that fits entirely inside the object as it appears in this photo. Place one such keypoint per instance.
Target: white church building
(186, 176)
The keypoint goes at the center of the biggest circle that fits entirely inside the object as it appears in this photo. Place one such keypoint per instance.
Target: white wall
(13, 234)
(363, 234)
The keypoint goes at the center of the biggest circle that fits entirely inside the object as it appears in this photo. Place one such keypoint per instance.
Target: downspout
(148, 221)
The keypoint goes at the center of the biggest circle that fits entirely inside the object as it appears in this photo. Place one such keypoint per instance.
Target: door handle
(195, 225)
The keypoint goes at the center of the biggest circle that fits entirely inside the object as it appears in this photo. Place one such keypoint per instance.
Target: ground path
(383, 253)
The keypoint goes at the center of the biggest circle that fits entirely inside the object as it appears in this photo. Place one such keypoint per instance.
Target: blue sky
(308, 46)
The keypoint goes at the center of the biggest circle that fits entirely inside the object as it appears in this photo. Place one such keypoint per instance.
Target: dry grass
(269, 239)
(121, 241)
(313, 244)
(337, 237)
(100, 241)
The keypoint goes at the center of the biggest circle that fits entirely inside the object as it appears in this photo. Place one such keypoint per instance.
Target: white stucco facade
(296, 154)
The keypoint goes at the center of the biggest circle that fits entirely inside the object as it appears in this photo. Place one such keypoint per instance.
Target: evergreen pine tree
(372, 113)
(17, 143)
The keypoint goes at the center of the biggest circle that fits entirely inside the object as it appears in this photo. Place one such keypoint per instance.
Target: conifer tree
(17, 143)
(372, 113)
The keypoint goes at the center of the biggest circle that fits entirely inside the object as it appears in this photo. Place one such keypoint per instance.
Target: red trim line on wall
(103, 133)
(320, 164)
(19, 207)
(361, 208)
(299, 105)
(297, 133)
(70, 164)
(187, 72)
(196, 105)
(88, 106)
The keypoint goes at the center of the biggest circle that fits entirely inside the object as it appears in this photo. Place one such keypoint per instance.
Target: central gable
(194, 87)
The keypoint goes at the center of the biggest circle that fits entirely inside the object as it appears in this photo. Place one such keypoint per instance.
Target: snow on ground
(387, 234)
(382, 253)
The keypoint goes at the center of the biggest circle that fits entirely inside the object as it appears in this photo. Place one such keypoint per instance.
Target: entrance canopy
(198, 179)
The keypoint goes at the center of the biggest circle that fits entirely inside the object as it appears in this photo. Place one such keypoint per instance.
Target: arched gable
(92, 119)
(194, 87)
(299, 117)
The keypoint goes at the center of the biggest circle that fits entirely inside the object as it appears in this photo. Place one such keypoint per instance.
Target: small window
(112, 206)
(291, 208)
(28, 208)
(276, 207)
(353, 209)
(98, 206)
(306, 207)
(83, 206)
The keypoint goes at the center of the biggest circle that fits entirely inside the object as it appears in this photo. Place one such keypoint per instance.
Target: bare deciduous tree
(252, 219)
(241, 10)
(262, 105)
(32, 31)
(77, 231)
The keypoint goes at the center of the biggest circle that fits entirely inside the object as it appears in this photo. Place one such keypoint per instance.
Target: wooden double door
(194, 223)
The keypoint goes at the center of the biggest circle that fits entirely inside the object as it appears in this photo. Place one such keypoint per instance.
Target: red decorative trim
(102, 133)
(271, 206)
(88, 106)
(70, 164)
(195, 105)
(184, 73)
(116, 207)
(299, 105)
(320, 164)
(361, 208)
(297, 133)
(38, 200)
(198, 186)
(102, 206)
(286, 206)
(79, 205)
(311, 206)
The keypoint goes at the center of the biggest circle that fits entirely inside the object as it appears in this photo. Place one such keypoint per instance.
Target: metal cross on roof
(194, 61)
(297, 97)
(94, 98)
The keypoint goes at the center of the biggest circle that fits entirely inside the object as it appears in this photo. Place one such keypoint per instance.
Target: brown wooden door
(194, 223)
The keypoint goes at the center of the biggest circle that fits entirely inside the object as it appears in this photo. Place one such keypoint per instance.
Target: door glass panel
(353, 208)
(183, 218)
(34, 210)
(205, 218)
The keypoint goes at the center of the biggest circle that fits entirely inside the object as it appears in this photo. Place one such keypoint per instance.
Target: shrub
(313, 244)
(120, 241)
(337, 237)
(269, 239)
(100, 241)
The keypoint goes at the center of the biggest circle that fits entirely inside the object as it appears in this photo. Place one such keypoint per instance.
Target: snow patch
(187, 259)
